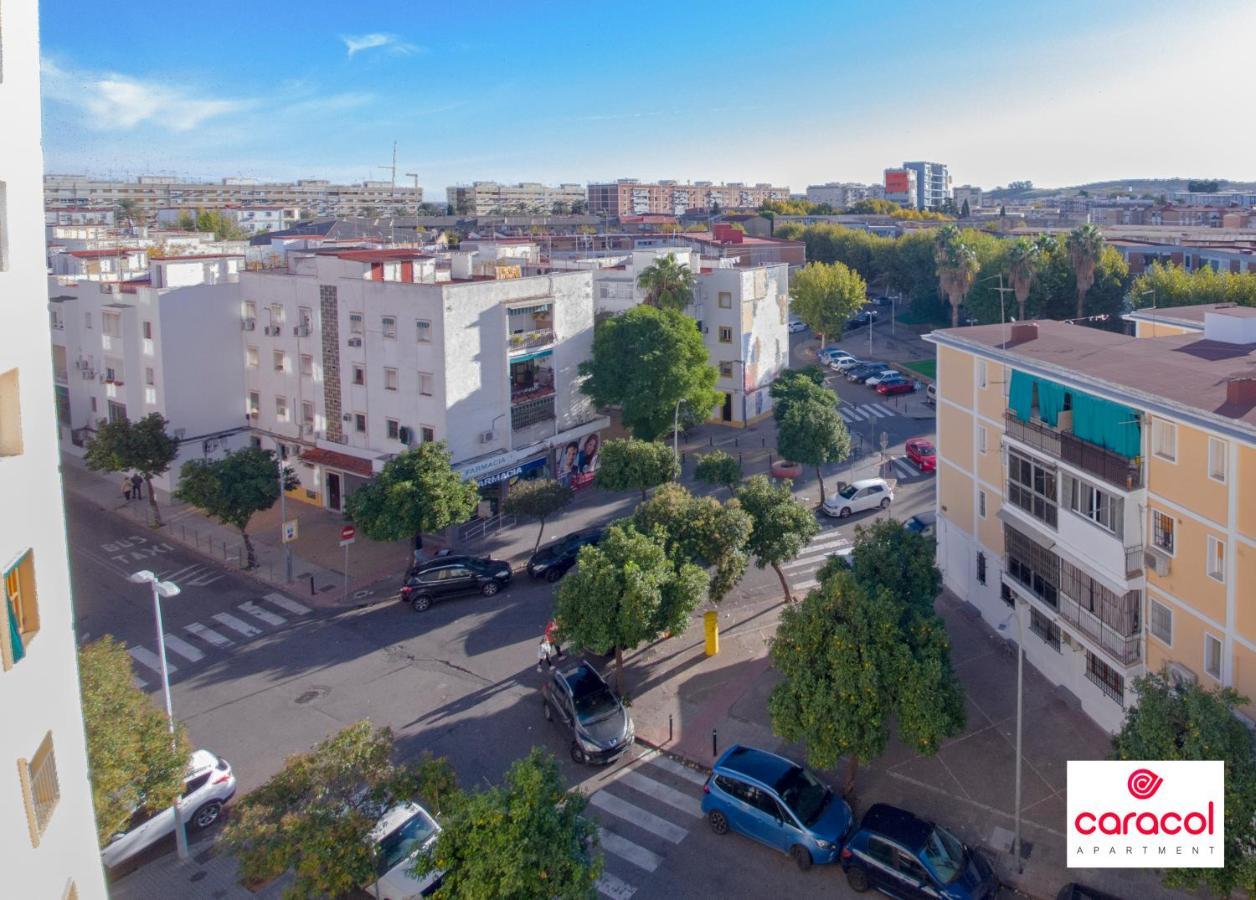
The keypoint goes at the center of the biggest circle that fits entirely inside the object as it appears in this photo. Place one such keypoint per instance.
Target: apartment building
(933, 184)
(252, 220)
(1093, 483)
(967, 193)
(79, 215)
(1220, 199)
(351, 356)
(839, 194)
(47, 825)
(114, 264)
(165, 346)
(628, 196)
(487, 198)
(150, 193)
(1140, 254)
(901, 187)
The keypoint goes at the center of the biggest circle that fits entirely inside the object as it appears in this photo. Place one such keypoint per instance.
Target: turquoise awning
(524, 357)
(1101, 422)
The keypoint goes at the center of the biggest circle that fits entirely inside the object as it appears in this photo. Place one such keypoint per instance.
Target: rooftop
(1190, 315)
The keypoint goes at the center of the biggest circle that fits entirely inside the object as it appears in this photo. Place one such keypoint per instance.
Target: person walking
(551, 636)
(545, 654)
(137, 486)
(126, 488)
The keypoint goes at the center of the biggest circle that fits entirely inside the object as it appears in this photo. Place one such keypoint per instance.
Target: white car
(845, 363)
(402, 834)
(208, 785)
(831, 354)
(883, 375)
(870, 493)
(796, 326)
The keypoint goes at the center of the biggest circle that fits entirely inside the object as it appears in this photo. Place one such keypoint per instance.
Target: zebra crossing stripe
(617, 889)
(208, 635)
(904, 470)
(656, 825)
(883, 411)
(678, 769)
(805, 585)
(627, 850)
(288, 604)
(261, 614)
(139, 682)
(804, 562)
(237, 625)
(856, 414)
(146, 658)
(832, 539)
(686, 803)
(183, 648)
(845, 414)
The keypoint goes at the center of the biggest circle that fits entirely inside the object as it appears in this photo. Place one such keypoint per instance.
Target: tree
(627, 464)
(130, 757)
(538, 499)
(128, 208)
(1085, 247)
(797, 386)
(417, 491)
(1191, 723)
(645, 361)
(964, 211)
(667, 283)
(625, 591)
(233, 488)
(699, 530)
(719, 469)
(902, 561)
(1168, 285)
(956, 263)
(1203, 185)
(780, 526)
(314, 817)
(187, 222)
(824, 296)
(126, 446)
(1022, 268)
(525, 838)
(560, 207)
(813, 433)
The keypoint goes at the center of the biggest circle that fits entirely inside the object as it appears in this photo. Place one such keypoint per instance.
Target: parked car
(449, 576)
(860, 374)
(776, 801)
(905, 856)
(924, 524)
(862, 318)
(402, 834)
(869, 493)
(784, 468)
(553, 562)
(796, 326)
(921, 453)
(209, 784)
(886, 374)
(826, 354)
(896, 386)
(931, 394)
(846, 363)
(588, 711)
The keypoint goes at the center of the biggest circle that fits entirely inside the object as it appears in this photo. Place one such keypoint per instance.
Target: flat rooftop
(1190, 315)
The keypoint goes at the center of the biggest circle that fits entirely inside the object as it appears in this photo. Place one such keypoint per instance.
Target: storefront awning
(343, 461)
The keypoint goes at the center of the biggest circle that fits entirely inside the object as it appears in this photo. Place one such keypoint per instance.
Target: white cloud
(390, 42)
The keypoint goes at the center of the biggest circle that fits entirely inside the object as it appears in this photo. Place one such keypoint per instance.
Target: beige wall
(992, 399)
(1185, 481)
(1245, 590)
(955, 435)
(1245, 676)
(1188, 579)
(990, 529)
(1247, 489)
(1188, 642)
(955, 495)
(1159, 329)
(955, 376)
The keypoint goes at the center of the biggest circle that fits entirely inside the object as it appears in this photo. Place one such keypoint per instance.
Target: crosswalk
(865, 412)
(800, 572)
(904, 469)
(199, 640)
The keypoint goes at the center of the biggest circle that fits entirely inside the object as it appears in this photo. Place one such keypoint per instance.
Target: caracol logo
(1175, 819)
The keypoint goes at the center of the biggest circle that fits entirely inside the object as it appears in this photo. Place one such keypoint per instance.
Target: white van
(931, 394)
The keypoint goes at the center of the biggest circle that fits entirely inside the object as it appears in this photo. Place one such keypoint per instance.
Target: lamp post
(165, 589)
(1020, 697)
(283, 519)
(676, 431)
(742, 363)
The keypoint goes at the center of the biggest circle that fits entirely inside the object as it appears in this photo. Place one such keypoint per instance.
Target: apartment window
(981, 504)
(251, 357)
(394, 429)
(981, 439)
(1031, 486)
(1105, 677)
(40, 790)
(1212, 656)
(276, 315)
(1216, 559)
(1104, 509)
(726, 370)
(305, 316)
(280, 360)
(726, 300)
(1164, 439)
(981, 373)
(250, 309)
(726, 334)
(1162, 531)
(111, 324)
(307, 365)
(355, 323)
(149, 377)
(423, 329)
(255, 403)
(1035, 568)
(1044, 628)
(426, 384)
(981, 568)
(428, 433)
(21, 610)
(389, 324)
(359, 375)
(93, 403)
(359, 423)
(281, 409)
(390, 379)
(146, 329)
(1160, 621)
(1216, 459)
(87, 321)
(11, 414)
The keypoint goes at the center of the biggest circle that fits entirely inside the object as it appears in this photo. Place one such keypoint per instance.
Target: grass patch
(926, 367)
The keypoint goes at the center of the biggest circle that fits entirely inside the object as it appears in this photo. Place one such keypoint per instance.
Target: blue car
(778, 802)
(904, 856)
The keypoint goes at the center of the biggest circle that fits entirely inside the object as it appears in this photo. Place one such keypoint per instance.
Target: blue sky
(792, 93)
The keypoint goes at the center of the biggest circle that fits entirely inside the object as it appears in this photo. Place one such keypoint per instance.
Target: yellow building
(1104, 487)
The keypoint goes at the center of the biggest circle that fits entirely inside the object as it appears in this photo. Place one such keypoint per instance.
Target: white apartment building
(169, 347)
(47, 826)
(79, 215)
(102, 264)
(967, 193)
(933, 183)
(249, 219)
(839, 194)
(351, 356)
(486, 198)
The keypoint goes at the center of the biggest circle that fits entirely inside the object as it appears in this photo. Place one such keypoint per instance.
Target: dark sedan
(589, 713)
(553, 562)
(450, 576)
(860, 374)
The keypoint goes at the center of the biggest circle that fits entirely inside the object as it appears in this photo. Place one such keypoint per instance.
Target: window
(389, 325)
(111, 324)
(11, 414)
(428, 433)
(981, 439)
(147, 330)
(726, 300)
(87, 321)
(1216, 459)
(355, 323)
(394, 428)
(21, 610)
(426, 384)
(307, 365)
(276, 315)
(981, 373)
(981, 568)
(250, 309)
(280, 359)
(251, 357)
(149, 377)
(255, 403)
(726, 334)
(281, 409)
(359, 423)
(305, 316)
(1104, 509)
(390, 379)
(40, 790)
(423, 330)
(726, 370)
(981, 504)
(1105, 677)
(1162, 531)
(307, 413)
(1031, 486)
(1045, 629)
(1161, 622)
(1216, 558)
(359, 375)
(1212, 656)
(1037, 569)
(1164, 439)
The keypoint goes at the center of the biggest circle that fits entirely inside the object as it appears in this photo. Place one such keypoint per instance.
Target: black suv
(584, 706)
(449, 576)
(552, 562)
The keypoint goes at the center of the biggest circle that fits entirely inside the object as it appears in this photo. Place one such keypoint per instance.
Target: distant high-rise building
(628, 197)
(933, 184)
(966, 192)
(900, 187)
(486, 198)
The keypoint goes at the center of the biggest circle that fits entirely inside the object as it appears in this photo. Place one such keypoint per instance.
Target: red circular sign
(347, 532)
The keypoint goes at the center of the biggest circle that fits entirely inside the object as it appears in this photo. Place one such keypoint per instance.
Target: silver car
(402, 834)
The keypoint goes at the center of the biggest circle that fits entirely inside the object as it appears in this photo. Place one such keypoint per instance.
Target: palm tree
(667, 284)
(956, 263)
(1085, 247)
(1022, 268)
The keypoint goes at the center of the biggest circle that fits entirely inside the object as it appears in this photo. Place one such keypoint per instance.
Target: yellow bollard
(712, 622)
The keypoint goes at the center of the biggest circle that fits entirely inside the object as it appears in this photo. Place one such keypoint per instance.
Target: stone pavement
(207, 874)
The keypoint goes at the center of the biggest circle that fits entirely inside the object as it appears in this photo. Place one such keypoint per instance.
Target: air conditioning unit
(486, 437)
(1179, 675)
(1157, 561)
(355, 342)
(248, 324)
(301, 331)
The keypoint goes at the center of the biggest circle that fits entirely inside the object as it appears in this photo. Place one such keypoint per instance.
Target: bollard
(763, 441)
(739, 459)
(769, 460)
(311, 585)
(669, 728)
(711, 623)
(714, 744)
(735, 442)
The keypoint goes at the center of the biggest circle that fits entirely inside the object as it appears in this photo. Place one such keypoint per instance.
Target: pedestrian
(551, 636)
(545, 654)
(137, 486)
(126, 488)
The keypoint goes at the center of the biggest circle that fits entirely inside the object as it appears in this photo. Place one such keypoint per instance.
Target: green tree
(131, 760)
(126, 446)
(1168, 285)
(625, 591)
(417, 491)
(645, 362)
(814, 434)
(1022, 268)
(964, 211)
(233, 488)
(824, 296)
(702, 531)
(902, 561)
(526, 838)
(718, 469)
(128, 208)
(1191, 723)
(1085, 247)
(780, 526)
(187, 222)
(957, 266)
(797, 386)
(667, 283)
(538, 499)
(314, 817)
(633, 465)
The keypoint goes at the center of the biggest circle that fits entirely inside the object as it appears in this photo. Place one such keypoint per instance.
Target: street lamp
(676, 431)
(1020, 697)
(165, 589)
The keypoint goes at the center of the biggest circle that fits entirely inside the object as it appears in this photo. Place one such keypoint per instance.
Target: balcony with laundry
(529, 329)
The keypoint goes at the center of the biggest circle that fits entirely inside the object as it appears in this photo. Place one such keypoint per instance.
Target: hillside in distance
(1127, 187)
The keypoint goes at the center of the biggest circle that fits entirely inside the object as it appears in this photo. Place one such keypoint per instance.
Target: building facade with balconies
(1090, 482)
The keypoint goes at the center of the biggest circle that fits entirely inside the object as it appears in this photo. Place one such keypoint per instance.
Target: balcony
(522, 341)
(1113, 468)
(1125, 649)
(530, 412)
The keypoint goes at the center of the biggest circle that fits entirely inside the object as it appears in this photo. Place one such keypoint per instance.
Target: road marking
(183, 648)
(805, 562)
(678, 769)
(139, 682)
(880, 409)
(845, 414)
(627, 850)
(177, 573)
(656, 825)
(686, 803)
(904, 470)
(262, 615)
(208, 635)
(288, 604)
(610, 886)
(856, 414)
(151, 660)
(805, 585)
(238, 625)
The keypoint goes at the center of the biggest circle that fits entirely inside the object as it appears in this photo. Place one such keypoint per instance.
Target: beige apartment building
(47, 826)
(1103, 487)
(487, 198)
(630, 197)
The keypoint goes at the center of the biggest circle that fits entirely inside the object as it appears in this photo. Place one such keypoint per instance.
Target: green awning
(1101, 422)
(524, 357)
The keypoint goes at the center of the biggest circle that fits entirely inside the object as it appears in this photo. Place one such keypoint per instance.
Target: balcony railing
(1125, 649)
(532, 411)
(530, 340)
(1112, 467)
(531, 392)
(1133, 562)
